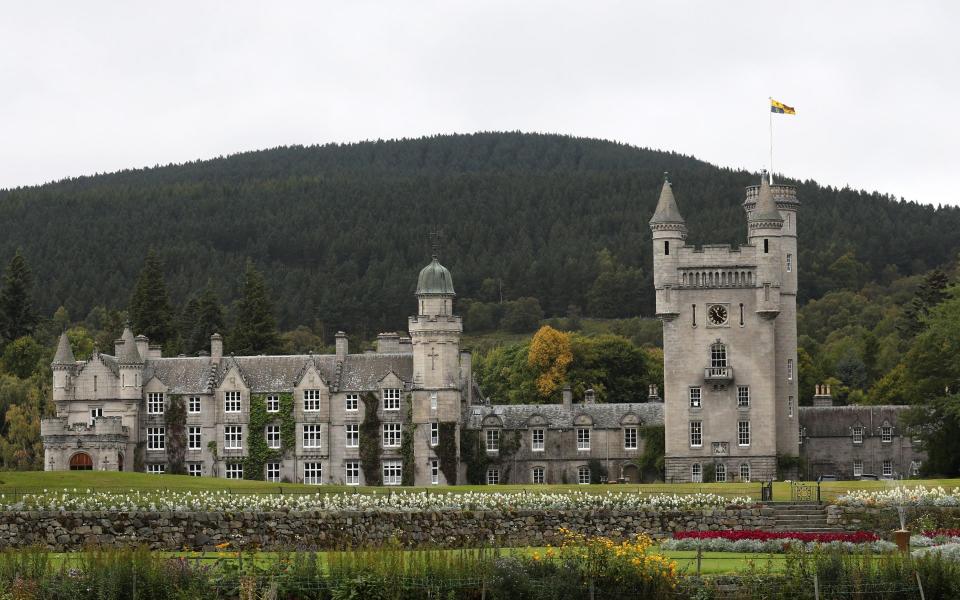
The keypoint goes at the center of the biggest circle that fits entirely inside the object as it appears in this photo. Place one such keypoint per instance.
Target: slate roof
(359, 372)
(604, 416)
(128, 353)
(667, 210)
(836, 421)
(766, 209)
(64, 355)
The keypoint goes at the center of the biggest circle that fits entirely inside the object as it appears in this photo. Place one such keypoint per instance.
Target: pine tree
(150, 311)
(202, 318)
(256, 327)
(17, 317)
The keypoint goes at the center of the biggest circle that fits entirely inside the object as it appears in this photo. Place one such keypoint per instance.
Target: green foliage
(23, 357)
(789, 466)
(654, 449)
(256, 328)
(521, 315)
(17, 316)
(447, 451)
(614, 291)
(598, 471)
(370, 460)
(175, 419)
(258, 453)
(150, 310)
(473, 454)
(202, 317)
(409, 469)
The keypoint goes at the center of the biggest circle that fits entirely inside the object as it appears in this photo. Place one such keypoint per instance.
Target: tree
(521, 315)
(22, 356)
(550, 355)
(17, 317)
(202, 317)
(615, 368)
(614, 292)
(22, 448)
(256, 328)
(930, 293)
(150, 311)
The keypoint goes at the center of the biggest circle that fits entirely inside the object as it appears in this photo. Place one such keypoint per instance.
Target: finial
(435, 242)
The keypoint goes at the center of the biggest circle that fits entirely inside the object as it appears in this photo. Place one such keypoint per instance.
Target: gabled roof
(604, 416)
(180, 375)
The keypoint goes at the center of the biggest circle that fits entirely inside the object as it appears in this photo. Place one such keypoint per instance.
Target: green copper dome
(435, 279)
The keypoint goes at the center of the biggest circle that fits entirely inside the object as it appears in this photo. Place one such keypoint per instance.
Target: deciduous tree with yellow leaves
(550, 354)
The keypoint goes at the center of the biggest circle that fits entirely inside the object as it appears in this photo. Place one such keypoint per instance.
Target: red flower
(942, 532)
(857, 537)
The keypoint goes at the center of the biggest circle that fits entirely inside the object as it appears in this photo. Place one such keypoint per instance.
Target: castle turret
(131, 366)
(435, 331)
(669, 232)
(764, 228)
(64, 365)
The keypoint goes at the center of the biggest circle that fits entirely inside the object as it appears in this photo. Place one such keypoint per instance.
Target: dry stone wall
(68, 531)
(884, 520)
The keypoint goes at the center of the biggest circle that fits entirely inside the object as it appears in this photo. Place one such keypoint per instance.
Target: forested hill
(340, 231)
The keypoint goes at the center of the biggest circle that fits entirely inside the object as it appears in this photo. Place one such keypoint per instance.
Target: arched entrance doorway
(631, 473)
(81, 461)
(120, 461)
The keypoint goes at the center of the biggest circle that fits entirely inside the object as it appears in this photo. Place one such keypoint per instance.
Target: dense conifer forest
(340, 231)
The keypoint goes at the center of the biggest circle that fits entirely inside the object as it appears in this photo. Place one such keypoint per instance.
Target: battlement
(782, 194)
(716, 256)
(100, 426)
(717, 277)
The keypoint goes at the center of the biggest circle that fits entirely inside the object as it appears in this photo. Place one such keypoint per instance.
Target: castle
(410, 412)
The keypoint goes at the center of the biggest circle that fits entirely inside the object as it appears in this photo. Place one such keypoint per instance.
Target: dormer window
(886, 434)
(858, 435)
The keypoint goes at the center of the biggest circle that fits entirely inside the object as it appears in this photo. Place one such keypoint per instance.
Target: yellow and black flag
(780, 108)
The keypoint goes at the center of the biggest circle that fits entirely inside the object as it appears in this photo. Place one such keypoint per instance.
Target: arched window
(718, 355)
(583, 474)
(81, 461)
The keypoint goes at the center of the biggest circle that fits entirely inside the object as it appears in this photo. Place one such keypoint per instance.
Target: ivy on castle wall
(447, 451)
(370, 440)
(473, 453)
(409, 469)
(258, 453)
(654, 449)
(175, 420)
(140, 457)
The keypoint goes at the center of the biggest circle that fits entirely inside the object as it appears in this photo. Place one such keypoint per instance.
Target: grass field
(100, 480)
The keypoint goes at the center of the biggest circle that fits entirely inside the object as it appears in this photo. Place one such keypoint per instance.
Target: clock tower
(729, 341)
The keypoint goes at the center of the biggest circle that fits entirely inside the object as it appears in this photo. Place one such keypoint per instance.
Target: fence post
(816, 587)
(699, 557)
(919, 585)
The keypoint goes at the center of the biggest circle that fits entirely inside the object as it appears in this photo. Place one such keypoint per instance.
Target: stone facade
(177, 531)
(729, 337)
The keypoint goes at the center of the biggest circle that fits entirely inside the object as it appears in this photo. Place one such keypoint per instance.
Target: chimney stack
(567, 396)
(343, 346)
(117, 345)
(589, 397)
(653, 393)
(143, 345)
(388, 343)
(406, 345)
(216, 347)
(822, 395)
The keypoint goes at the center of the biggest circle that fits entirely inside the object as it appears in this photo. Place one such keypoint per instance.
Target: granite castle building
(411, 413)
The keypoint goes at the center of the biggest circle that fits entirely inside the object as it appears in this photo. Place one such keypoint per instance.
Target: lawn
(20, 481)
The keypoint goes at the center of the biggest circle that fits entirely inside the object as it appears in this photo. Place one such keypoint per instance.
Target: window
(155, 403)
(352, 472)
(741, 314)
(312, 473)
(914, 468)
(311, 436)
(857, 467)
(721, 473)
(718, 356)
(353, 435)
(745, 472)
(886, 434)
(391, 435)
(858, 435)
(434, 434)
(536, 440)
(536, 475)
(392, 472)
(493, 440)
(233, 437)
(352, 403)
(583, 474)
(696, 434)
(231, 402)
(273, 471)
(193, 405)
(156, 438)
(493, 476)
(888, 468)
(433, 402)
(157, 468)
(789, 369)
(789, 263)
(194, 438)
(743, 396)
(694, 313)
(95, 413)
(790, 406)
(273, 403)
(311, 400)
(434, 472)
(696, 473)
(766, 246)
(391, 399)
(234, 471)
(273, 436)
(666, 247)
(743, 433)
(695, 397)
(630, 438)
(583, 438)
(194, 469)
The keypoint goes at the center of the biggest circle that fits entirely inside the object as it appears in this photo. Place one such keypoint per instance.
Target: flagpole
(770, 115)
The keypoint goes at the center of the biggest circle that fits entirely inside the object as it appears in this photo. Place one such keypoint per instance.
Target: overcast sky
(99, 86)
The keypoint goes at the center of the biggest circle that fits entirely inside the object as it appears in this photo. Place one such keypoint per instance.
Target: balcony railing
(718, 373)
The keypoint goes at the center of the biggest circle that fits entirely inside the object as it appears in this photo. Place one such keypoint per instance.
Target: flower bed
(63, 501)
(775, 541)
(901, 496)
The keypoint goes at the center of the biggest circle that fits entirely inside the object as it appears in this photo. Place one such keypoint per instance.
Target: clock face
(717, 314)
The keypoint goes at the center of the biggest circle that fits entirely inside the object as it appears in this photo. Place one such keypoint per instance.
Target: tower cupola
(435, 279)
